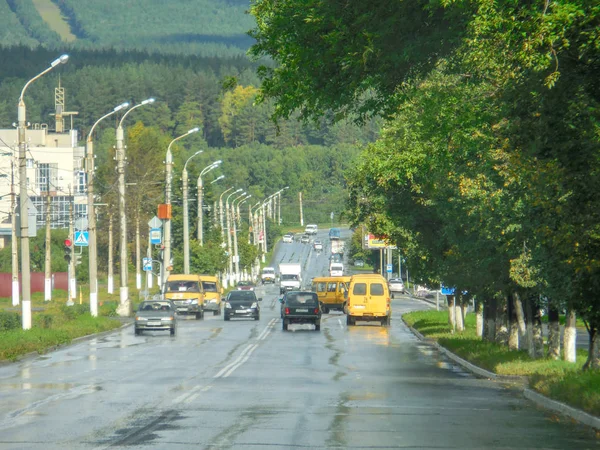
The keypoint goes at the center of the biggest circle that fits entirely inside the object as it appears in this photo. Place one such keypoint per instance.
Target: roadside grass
(57, 325)
(560, 380)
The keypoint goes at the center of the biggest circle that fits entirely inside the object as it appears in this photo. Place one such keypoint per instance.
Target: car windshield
(236, 296)
(245, 283)
(209, 286)
(287, 277)
(183, 286)
(155, 306)
(301, 299)
(268, 271)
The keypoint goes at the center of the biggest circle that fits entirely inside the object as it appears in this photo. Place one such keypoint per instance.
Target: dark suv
(300, 307)
(241, 304)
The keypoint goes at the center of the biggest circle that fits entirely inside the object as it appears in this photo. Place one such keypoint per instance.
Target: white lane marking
(267, 330)
(181, 398)
(228, 366)
(340, 322)
(191, 398)
(230, 371)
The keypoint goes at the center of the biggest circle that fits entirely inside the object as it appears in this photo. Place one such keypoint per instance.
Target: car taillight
(316, 310)
(287, 310)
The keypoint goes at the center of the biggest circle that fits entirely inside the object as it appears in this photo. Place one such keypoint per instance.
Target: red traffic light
(68, 242)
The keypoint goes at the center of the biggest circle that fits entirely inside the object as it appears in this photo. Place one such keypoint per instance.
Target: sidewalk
(520, 382)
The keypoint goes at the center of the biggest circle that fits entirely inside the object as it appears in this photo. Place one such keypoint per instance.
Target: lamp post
(186, 221)
(124, 305)
(200, 213)
(24, 198)
(93, 249)
(229, 243)
(221, 217)
(166, 266)
(236, 255)
(279, 205)
(239, 216)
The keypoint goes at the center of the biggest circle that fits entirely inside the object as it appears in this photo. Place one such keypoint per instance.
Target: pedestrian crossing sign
(81, 238)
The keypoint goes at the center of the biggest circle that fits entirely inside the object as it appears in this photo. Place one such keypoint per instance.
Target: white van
(311, 229)
(336, 270)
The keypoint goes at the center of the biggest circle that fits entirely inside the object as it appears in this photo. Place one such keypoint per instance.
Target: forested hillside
(204, 27)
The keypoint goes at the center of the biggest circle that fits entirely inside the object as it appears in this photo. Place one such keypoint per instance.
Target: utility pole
(200, 214)
(236, 256)
(72, 274)
(110, 254)
(301, 214)
(148, 272)
(13, 243)
(48, 258)
(138, 256)
(186, 224)
(229, 243)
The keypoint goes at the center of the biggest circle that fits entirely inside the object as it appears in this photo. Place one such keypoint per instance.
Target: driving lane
(248, 384)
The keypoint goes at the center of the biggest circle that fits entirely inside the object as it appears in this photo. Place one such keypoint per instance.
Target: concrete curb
(76, 340)
(537, 398)
(548, 403)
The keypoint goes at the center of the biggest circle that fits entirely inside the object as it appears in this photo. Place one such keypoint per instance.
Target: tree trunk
(529, 326)
(490, 320)
(458, 315)
(451, 312)
(570, 337)
(479, 317)
(553, 332)
(593, 360)
(538, 334)
(501, 323)
(520, 320)
(513, 325)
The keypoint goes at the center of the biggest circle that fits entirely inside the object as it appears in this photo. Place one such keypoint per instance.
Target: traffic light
(68, 246)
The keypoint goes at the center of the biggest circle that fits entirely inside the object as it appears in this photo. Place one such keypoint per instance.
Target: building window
(80, 211)
(59, 210)
(46, 177)
(29, 163)
(80, 182)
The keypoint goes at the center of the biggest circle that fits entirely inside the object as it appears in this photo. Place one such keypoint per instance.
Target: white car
(311, 229)
(288, 238)
(396, 285)
(318, 246)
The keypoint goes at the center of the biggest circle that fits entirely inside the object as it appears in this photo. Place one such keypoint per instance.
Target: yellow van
(186, 293)
(368, 299)
(212, 290)
(330, 291)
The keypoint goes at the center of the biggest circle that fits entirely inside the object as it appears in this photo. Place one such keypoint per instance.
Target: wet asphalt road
(246, 384)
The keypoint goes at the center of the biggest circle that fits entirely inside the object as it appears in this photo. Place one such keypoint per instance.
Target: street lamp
(200, 213)
(186, 224)
(279, 205)
(238, 215)
(229, 243)
(124, 306)
(166, 267)
(24, 198)
(93, 255)
(221, 217)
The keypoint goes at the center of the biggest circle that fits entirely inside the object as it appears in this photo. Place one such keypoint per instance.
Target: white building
(55, 167)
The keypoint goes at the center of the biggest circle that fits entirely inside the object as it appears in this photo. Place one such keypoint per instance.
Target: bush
(43, 320)
(9, 321)
(72, 312)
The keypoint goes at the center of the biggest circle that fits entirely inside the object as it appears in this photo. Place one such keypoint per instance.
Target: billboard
(376, 242)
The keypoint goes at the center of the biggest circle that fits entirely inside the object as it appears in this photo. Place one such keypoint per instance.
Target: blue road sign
(155, 236)
(147, 262)
(389, 268)
(447, 290)
(81, 238)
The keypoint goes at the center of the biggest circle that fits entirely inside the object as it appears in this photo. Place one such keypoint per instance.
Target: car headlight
(254, 305)
(168, 319)
(192, 301)
(212, 300)
(227, 305)
(139, 319)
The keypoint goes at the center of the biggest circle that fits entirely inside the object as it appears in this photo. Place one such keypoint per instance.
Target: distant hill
(202, 27)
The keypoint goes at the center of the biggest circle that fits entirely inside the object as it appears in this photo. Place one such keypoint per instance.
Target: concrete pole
(24, 214)
(72, 271)
(13, 242)
(138, 254)
(149, 273)
(123, 309)
(301, 213)
(186, 224)
(93, 250)
(110, 255)
(279, 210)
(48, 258)
(167, 225)
(264, 217)
(200, 211)
(236, 257)
(229, 243)
(215, 213)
